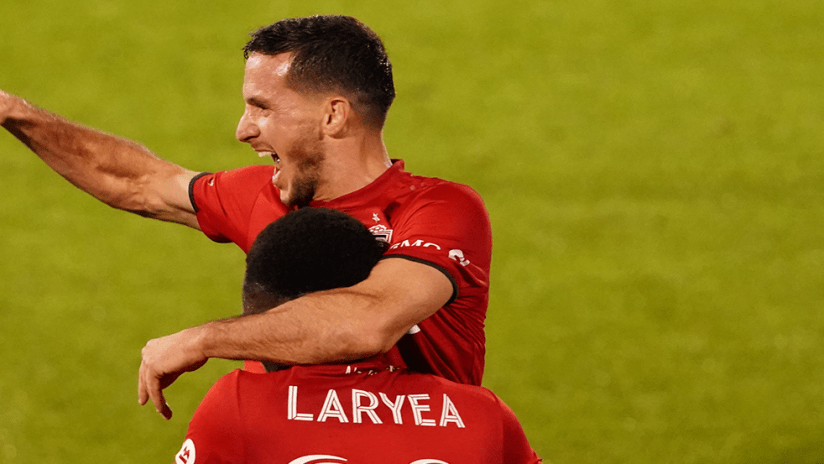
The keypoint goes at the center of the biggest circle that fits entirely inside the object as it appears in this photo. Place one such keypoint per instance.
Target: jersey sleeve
(224, 201)
(447, 226)
(214, 432)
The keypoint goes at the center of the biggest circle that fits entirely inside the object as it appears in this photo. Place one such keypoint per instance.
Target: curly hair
(307, 250)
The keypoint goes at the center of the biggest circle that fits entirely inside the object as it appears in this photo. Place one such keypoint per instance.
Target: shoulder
(419, 186)
(240, 388)
(482, 398)
(215, 426)
(435, 188)
(225, 387)
(444, 202)
(218, 406)
(207, 185)
(254, 173)
(441, 198)
(248, 176)
(231, 395)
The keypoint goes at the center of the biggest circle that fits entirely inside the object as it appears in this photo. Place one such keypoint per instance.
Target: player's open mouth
(271, 154)
(276, 159)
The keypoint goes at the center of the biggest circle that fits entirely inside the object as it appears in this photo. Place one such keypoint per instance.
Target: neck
(351, 164)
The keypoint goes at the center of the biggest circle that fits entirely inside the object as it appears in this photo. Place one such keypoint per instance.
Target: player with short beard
(317, 91)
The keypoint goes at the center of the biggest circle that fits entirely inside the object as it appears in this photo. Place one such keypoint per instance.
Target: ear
(337, 116)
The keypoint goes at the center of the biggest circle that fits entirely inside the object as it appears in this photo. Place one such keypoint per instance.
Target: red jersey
(359, 413)
(431, 221)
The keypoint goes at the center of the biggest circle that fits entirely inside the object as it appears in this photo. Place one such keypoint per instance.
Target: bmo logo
(416, 243)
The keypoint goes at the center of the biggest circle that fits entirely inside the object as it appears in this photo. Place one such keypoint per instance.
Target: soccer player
(366, 411)
(317, 91)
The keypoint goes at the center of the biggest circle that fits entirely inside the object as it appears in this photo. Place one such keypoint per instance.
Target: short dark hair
(307, 250)
(332, 54)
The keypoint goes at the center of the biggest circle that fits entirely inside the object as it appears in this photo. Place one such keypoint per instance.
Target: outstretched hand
(163, 361)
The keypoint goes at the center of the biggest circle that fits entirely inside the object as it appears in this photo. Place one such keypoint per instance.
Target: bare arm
(330, 326)
(116, 171)
(335, 325)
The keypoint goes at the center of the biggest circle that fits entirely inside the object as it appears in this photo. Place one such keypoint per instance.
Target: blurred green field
(654, 172)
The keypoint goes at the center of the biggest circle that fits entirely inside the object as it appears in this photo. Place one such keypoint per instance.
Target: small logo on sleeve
(187, 454)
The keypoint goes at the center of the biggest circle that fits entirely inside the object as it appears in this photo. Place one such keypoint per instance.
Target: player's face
(283, 124)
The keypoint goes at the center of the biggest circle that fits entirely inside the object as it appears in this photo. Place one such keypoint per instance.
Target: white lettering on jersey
(366, 402)
(416, 243)
(418, 409)
(395, 407)
(293, 413)
(316, 459)
(429, 461)
(458, 256)
(449, 413)
(332, 408)
(358, 409)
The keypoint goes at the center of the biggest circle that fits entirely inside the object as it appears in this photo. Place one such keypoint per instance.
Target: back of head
(307, 250)
(332, 54)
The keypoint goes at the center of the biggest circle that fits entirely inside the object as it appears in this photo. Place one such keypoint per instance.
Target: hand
(164, 360)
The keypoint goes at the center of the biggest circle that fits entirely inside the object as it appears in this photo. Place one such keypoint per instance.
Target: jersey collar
(373, 365)
(368, 193)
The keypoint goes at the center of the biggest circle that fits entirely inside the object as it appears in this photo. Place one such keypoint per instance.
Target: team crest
(187, 453)
(381, 232)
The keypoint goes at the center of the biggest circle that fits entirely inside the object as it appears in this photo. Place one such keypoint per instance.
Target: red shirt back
(359, 413)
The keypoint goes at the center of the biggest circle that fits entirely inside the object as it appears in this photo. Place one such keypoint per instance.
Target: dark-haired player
(366, 411)
(317, 91)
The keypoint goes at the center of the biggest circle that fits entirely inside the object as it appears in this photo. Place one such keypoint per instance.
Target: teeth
(269, 154)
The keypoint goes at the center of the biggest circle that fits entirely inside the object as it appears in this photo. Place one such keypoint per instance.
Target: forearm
(324, 327)
(335, 325)
(116, 171)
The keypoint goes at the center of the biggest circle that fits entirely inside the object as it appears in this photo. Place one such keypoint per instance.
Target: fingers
(142, 390)
(161, 405)
(142, 383)
(150, 384)
(163, 360)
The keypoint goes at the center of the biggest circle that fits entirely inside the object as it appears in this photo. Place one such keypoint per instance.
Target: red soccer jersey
(427, 220)
(360, 413)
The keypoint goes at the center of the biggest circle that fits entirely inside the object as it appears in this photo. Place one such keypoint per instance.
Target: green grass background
(653, 170)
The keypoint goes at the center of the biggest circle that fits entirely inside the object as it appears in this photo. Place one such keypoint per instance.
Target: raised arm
(116, 171)
(330, 326)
